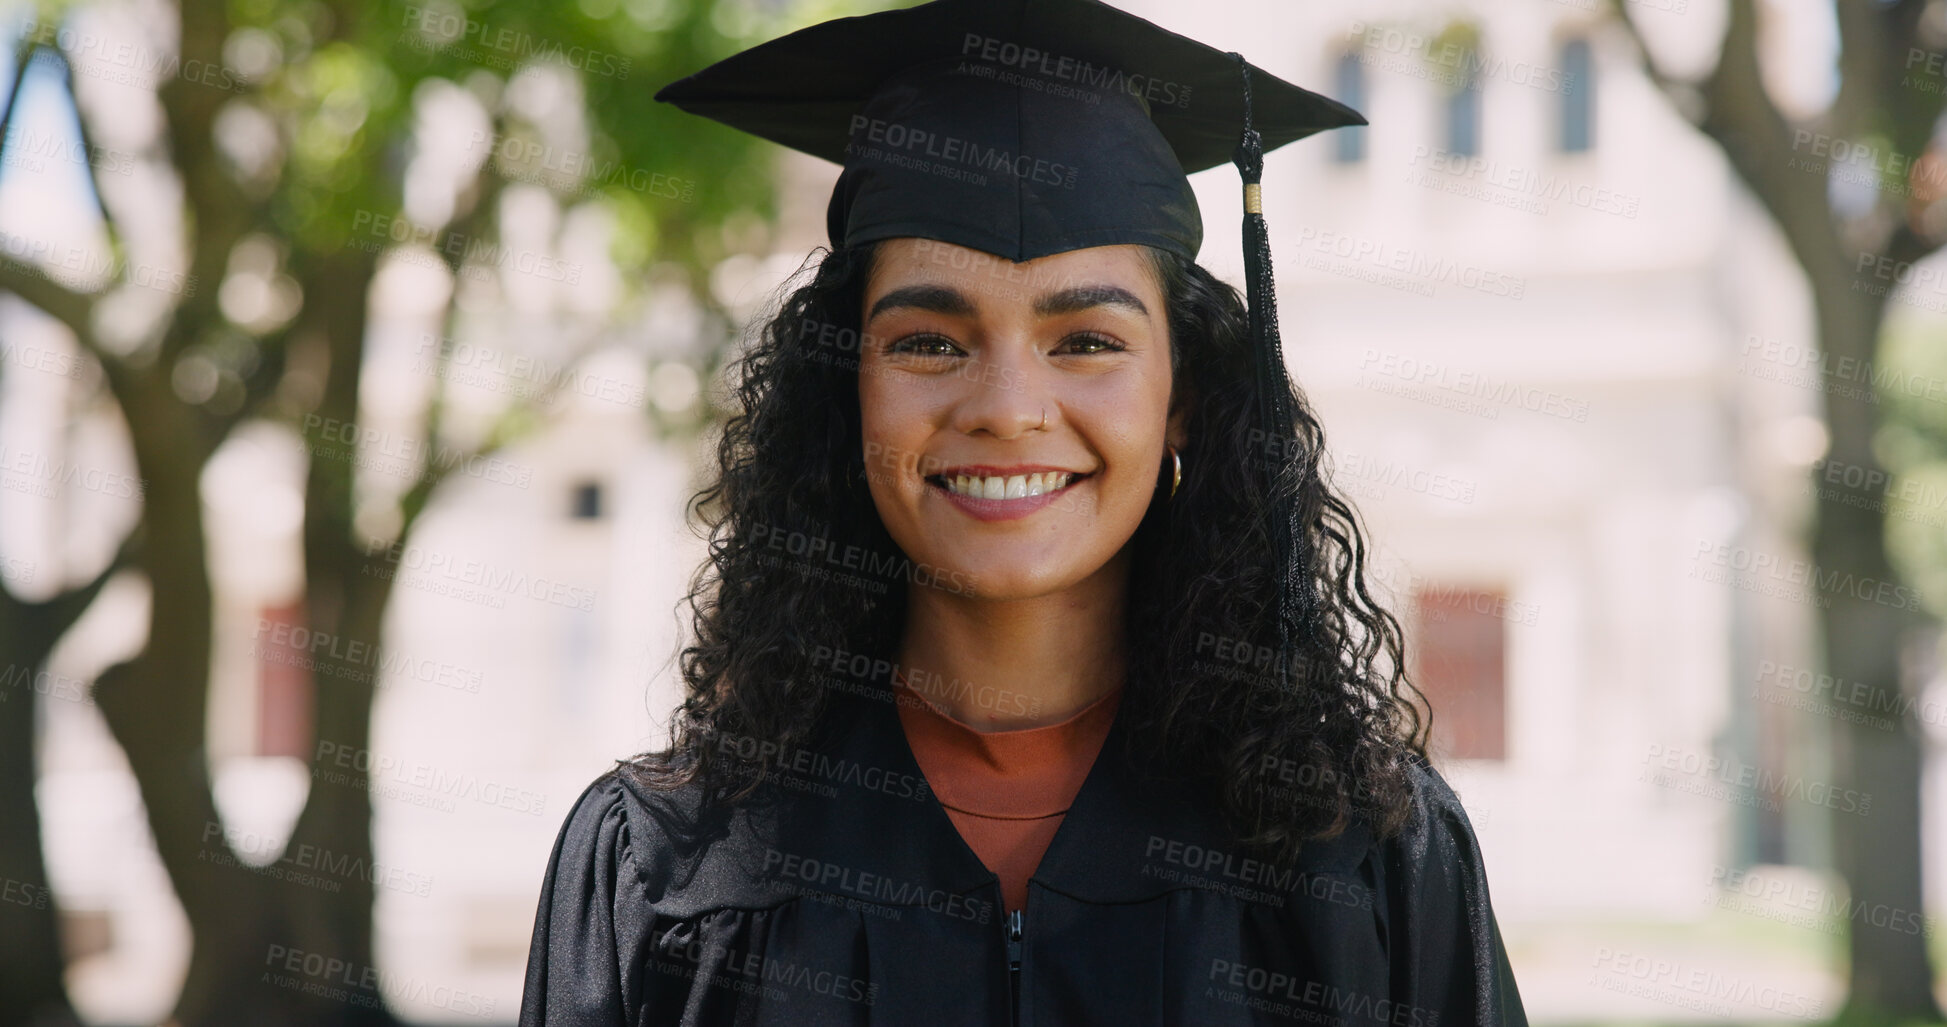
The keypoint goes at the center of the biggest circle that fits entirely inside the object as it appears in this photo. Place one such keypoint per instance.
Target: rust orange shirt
(1005, 791)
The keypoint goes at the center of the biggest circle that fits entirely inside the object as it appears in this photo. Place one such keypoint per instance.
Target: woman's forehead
(989, 279)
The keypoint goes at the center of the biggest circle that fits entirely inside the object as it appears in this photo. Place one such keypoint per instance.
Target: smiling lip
(996, 471)
(1004, 509)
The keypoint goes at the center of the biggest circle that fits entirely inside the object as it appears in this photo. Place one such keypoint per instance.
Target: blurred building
(1555, 350)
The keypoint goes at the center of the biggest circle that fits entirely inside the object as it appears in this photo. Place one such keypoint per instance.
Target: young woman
(1035, 679)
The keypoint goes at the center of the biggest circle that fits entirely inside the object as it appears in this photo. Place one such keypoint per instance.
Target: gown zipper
(1015, 923)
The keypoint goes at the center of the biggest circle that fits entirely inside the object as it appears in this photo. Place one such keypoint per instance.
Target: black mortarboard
(1024, 128)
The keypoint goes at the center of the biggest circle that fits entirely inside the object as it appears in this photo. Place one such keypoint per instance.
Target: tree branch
(219, 217)
(58, 301)
(1757, 139)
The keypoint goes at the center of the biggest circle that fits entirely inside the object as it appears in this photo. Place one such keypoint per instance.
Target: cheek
(883, 413)
(893, 430)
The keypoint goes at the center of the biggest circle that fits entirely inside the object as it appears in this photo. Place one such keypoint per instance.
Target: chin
(1005, 579)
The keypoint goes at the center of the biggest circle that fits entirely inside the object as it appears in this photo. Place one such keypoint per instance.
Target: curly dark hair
(1290, 749)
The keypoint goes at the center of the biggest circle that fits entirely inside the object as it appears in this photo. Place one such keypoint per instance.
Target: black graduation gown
(853, 900)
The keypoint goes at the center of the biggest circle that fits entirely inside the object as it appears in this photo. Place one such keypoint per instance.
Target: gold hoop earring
(1176, 472)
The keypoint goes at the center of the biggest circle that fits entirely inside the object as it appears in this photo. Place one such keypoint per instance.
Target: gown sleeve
(1447, 947)
(574, 976)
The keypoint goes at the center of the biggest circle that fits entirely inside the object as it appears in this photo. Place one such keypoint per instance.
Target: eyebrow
(942, 299)
(1082, 297)
(936, 298)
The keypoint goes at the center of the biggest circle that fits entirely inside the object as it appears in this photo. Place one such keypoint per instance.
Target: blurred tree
(289, 128)
(1853, 253)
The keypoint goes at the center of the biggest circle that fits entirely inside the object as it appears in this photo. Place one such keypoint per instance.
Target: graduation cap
(1024, 128)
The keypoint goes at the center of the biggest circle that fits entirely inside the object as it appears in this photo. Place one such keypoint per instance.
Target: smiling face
(962, 352)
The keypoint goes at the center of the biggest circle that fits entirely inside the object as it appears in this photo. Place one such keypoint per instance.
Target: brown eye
(1107, 344)
(919, 342)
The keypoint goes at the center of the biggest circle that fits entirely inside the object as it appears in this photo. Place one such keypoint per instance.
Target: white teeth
(1015, 487)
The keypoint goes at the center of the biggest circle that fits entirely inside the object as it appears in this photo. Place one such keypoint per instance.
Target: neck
(1004, 665)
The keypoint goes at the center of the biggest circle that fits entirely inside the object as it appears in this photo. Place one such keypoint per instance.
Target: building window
(1578, 97)
(284, 682)
(587, 504)
(1464, 114)
(1349, 144)
(1460, 662)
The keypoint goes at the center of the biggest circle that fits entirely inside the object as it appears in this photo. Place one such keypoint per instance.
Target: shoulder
(595, 835)
(1443, 928)
(1435, 850)
(662, 844)
(1435, 806)
(598, 809)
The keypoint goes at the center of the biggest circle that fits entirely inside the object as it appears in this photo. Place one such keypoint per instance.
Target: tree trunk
(1878, 852)
(156, 706)
(266, 955)
(31, 987)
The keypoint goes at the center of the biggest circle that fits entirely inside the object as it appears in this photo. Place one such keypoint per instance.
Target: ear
(1175, 431)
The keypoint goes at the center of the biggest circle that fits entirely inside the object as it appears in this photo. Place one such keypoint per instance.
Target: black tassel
(1274, 394)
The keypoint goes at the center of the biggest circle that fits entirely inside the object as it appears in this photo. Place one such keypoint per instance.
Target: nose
(1004, 393)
